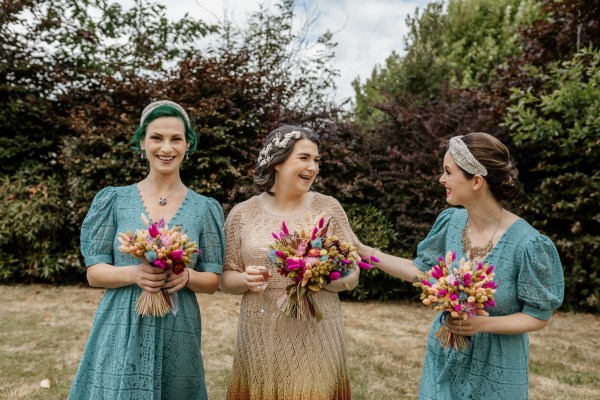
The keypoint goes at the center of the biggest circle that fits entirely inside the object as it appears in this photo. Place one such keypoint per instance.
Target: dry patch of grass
(43, 330)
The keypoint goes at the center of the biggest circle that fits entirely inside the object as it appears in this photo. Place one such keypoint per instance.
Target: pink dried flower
(426, 282)
(284, 228)
(153, 230)
(177, 255)
(364, 265)
(280, 254)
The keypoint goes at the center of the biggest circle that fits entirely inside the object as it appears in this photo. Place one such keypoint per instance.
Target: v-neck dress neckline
(143, 205)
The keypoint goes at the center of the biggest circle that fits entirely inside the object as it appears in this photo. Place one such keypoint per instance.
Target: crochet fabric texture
(145, 358)
(530, 280)
(278, 357)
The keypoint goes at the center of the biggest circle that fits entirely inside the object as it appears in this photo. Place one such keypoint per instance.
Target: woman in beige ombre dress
(278, 357)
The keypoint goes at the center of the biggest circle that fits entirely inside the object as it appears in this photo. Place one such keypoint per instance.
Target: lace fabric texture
(278, 357)
(144, 358)
(530, 280)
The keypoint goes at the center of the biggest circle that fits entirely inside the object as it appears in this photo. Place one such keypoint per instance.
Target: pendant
(162, 201)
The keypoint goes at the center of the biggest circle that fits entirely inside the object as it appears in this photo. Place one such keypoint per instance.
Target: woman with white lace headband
(478, 176)
(270, 344)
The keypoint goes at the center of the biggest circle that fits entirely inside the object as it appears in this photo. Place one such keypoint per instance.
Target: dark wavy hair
(165, 110)
(264, 176)
(502, 174)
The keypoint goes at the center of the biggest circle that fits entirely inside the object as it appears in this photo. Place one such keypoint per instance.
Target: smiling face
(298, 172)
(458, 187)
(164, 144)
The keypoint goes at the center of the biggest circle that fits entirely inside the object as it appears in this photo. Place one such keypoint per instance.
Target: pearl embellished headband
(464, 158)
(264, 156)
(152, 106)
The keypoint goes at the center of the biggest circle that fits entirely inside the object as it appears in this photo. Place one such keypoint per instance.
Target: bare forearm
(233, 282)
(346, 283)
(109, 276)
(203, 282)
(512, 324)
(399, 267)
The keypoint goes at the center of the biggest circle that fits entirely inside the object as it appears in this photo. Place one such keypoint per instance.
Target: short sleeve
(434, 245)
(342, 227)
(98, 230)
(212, 239)
(541, 282)
(233, 252)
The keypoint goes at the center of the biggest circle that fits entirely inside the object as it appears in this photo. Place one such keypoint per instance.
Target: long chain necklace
(473, 252)
(163, 200)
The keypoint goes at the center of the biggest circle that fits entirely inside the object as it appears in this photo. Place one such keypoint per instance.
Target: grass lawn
(43, 330)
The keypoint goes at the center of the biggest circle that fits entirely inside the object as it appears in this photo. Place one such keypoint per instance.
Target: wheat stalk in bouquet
(159, 246)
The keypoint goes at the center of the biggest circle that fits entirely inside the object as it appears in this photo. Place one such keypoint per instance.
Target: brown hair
(502, 174)
(264, 176)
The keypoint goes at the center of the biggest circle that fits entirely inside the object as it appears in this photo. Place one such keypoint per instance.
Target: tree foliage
(560, 124)
(75, 76)
(108, 68)
(539, 96)
(458, 43)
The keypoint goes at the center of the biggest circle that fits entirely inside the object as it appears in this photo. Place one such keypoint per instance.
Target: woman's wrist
(189, 277)
(373, 253)
(131, 274)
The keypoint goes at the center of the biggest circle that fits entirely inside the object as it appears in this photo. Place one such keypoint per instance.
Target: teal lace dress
(530, 280)
(144, 358)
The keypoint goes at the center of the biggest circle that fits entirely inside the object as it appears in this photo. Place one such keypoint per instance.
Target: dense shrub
(372, 227)
(560, 124)
(35, 238)
(67, 113)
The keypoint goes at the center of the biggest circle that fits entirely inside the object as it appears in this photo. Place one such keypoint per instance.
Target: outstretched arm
(399, 267)
(348, 282)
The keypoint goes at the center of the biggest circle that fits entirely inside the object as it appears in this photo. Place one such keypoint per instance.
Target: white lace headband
(464, 158)
(265, 154)
(150, 107)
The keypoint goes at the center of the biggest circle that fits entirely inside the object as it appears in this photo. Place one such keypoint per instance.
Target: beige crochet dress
(278, 357)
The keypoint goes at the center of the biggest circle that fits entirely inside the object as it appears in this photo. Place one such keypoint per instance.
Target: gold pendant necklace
(473, 252)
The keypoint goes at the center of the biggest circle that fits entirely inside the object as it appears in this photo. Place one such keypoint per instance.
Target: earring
(142, 155)
(187, 156)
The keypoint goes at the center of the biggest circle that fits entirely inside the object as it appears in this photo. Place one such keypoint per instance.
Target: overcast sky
(366, 31)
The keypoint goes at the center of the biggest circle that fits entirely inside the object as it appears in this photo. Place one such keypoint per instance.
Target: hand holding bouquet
(161, 247)
(460, 291)
(310, 259)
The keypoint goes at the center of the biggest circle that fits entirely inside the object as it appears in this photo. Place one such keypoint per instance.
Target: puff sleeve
(540, 282)
(98, 230)
(212, 239)
(233, 252)
(434, 244)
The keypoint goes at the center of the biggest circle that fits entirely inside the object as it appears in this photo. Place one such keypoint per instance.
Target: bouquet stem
(156, 304)
(299, 303)
(448, 339)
